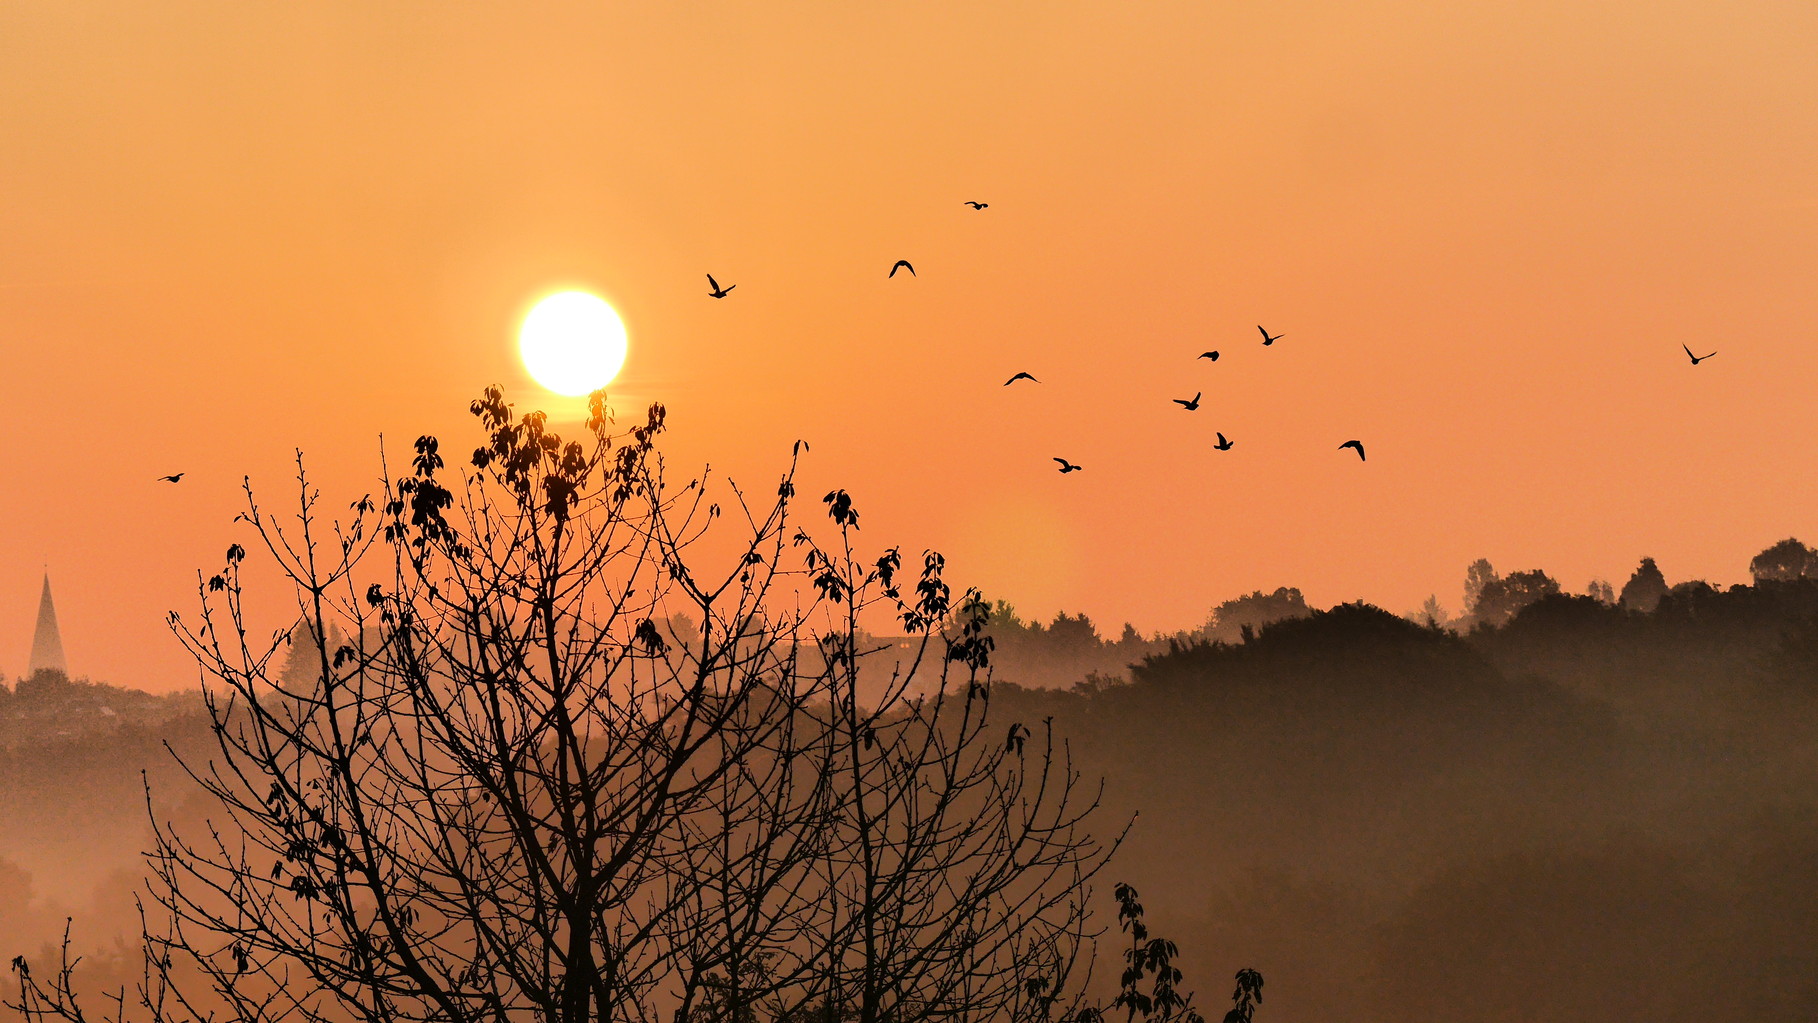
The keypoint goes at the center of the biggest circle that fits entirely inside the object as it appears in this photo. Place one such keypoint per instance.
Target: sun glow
(572, 342)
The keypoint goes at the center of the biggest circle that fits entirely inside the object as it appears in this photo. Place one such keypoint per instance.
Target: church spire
(47, 642)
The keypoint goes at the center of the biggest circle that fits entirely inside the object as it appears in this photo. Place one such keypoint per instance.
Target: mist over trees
(49, 707)
(1553, 805)
(1495, 600)
(1400, 822)
(1237, 619)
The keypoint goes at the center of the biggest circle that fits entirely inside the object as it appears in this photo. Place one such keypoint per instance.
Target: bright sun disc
(572, 343)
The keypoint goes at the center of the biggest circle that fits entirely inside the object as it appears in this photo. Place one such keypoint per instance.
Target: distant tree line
(1068, 649)
(1391, 814)
(1492, 600)
(49, 707)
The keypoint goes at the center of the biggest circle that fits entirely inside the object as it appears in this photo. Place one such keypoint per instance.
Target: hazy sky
(230, 230)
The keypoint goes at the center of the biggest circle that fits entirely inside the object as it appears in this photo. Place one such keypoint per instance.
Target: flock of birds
(717, 290)
(1189, 404)
(1192, 405)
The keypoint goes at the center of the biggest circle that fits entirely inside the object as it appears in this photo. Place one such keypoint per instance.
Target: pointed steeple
(47, 642)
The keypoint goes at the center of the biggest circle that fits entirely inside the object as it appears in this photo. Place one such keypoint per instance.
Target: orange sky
(227, 230)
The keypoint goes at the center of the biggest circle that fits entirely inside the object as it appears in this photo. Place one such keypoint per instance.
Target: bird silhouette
(1354, 444)
(901, 264)
(1696, 359)
(718, 292)
(1223, 444)
(1067, 467)
(1021, 376)
(1190, 406)
(1209, 355)
(1267, 340)
(977, 205)
(176, 478)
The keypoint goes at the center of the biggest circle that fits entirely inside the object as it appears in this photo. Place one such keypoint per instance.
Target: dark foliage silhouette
(1645, 588)
(1241, 617)
(1785, 561)
(1246, 997)
(1150, 959)
(1477, 575)
(1500, 598)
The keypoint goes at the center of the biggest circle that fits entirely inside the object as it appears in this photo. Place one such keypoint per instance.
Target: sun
(572, 342)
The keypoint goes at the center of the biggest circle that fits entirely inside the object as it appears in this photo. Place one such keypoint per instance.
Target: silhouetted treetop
(1697, 639)
(1357, 647)
(1500, 598)
(1061, 652)
(1645, 588)
(1783, 562)
(1229, 620)
(1478, 574)
(1563, 610)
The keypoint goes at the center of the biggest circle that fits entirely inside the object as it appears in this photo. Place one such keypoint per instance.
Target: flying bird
(1021, 376)
(1696, 359)
(176, 478)
(1067, 467)
(1267, 340)
(1354, 444)
(976, 205)
(1209, 355)
(1190, 406)
(901, 264)
(718, 292)
(1223, 444)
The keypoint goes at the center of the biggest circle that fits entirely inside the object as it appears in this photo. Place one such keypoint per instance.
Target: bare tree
(503, 790)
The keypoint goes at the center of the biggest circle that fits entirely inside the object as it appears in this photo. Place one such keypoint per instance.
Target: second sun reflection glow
(572, 342)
